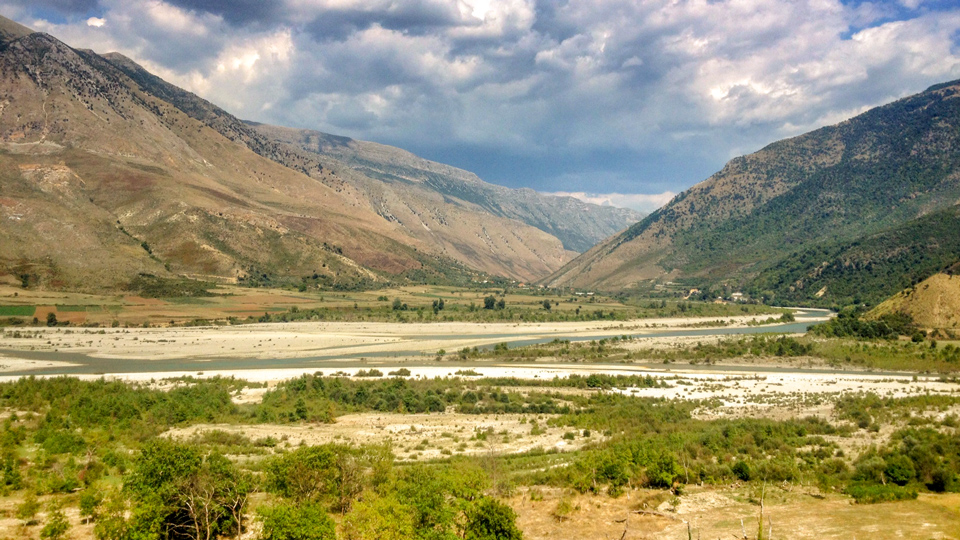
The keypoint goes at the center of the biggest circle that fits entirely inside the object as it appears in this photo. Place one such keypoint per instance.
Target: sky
(617, 102)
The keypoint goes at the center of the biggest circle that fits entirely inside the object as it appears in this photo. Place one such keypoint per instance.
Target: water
(89, 365)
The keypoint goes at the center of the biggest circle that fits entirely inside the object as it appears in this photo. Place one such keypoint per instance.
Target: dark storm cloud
(414, 17)
(238, 12)
(63, 8)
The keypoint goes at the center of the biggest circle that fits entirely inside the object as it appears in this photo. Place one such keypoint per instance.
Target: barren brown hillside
(933, 303)
(107, 173)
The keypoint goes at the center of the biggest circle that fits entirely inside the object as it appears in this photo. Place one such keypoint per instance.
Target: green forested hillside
(866, 270)
(769, 219)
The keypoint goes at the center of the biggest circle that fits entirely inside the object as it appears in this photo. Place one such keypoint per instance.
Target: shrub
(941, 480)
(287, 522)
(876, 493)
(383, 518)
(899, 469)
(489, 519)
(741, 470)
(56, 526)
(27, 510)
(663, 471)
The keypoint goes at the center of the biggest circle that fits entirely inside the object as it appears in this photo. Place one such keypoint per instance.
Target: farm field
(230, 304)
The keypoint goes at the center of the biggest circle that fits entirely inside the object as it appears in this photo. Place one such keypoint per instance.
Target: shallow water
(90, 365)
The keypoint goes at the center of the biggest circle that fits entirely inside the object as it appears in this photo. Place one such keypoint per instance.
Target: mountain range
(108, 172)
(848, 213)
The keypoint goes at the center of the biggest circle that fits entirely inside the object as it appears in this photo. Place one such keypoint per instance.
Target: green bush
(284, 521)
(56, 526)
(663, 471)
(941, 480)
(899, 469)
(878, 493)
(741, 469)
(489, 519)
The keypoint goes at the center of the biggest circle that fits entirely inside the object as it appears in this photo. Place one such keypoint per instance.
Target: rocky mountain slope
(106, 172)
(450, 209)
(833, 187)
(412, 180)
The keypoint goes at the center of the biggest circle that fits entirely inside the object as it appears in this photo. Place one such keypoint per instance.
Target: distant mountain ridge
(577, 224)
(108, 171)
(876, 172)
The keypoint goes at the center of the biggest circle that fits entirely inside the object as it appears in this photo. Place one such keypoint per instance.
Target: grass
(17, 311)
(893, 355)
(64, 308)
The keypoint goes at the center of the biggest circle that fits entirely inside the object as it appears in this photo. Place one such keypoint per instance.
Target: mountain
(107, 172)
(395, 178)
(866, 270)
(773, 221)
(449, 208)
(933, 303)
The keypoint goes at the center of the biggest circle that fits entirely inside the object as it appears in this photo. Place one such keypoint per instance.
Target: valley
(213, 328)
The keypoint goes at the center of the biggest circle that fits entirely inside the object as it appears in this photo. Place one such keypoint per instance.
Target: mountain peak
(941, 86)
(786, 218)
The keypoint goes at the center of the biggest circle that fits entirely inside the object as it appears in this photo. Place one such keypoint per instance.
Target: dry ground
(795, 513)
(302, 339)
(416, 436)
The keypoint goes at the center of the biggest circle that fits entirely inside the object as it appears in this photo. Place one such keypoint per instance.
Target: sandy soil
(416, 436)
(304, 339)
(12, 363)
(794, 512)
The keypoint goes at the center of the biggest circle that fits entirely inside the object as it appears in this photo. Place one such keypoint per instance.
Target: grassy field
(231, 304)
(17, 311)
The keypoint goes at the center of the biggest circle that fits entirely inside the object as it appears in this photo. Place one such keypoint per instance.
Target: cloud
(641, 202)
(624, 96)
(96, 22)
(236, 12)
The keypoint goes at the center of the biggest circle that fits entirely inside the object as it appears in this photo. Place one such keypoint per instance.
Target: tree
(501, 304)
(546, 305)
(51, 319)
(397, 304)
(308, 521)
(662, 472)
(179, 494)
(57, 525)
(489, 519)
(301, 408)
(27, 510)
(489, 302)
(306, 474)
(214, 497)
(941, 480)
(383, 518)
(426, 491)
(900, 470)
(348, 481)
(90, 500)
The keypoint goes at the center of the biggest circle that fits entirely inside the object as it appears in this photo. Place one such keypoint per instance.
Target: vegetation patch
(150, 286)
(17, 311)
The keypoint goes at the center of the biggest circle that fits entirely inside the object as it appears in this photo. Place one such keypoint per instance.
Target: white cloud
(650, 84)
(642, 202)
